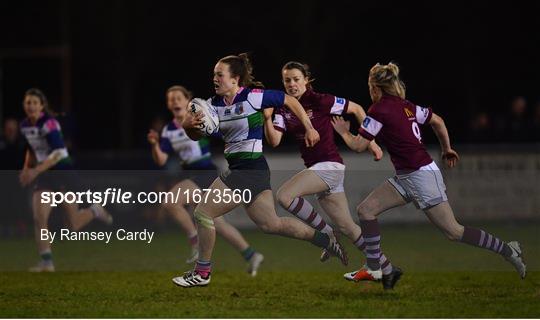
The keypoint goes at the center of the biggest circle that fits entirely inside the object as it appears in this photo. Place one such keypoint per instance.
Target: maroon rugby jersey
(320, 109)
(395, 121)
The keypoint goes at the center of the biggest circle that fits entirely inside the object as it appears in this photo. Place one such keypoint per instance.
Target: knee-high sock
(372, 238)
(386, 266)
(305, 212)
(482, 239)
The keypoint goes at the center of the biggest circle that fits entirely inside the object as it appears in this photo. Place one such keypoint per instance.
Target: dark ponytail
(240, 66)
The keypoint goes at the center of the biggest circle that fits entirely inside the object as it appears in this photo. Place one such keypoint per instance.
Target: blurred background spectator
(14, 205)
(480, 128)
(514, 124)
(11, 146)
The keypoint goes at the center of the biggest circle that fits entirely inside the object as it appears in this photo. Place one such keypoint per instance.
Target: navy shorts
(251, 174)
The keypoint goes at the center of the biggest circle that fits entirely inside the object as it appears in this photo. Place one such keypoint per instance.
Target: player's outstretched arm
(160, 157)
(312, 136)
(356, 110)
(273, 136)
(450, 156)
(29, 174)
(356, 143)
(359, 113)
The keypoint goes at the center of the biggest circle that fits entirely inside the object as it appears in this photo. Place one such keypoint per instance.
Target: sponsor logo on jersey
(409, 114)
(227, 111)
(239, 108)
(340, 100)
(366, 122)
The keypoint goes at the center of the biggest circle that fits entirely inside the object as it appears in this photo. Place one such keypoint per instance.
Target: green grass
(132, 279)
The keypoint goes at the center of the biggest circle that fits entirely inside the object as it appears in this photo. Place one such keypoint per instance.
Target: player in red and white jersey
(325, 171)
(397, 122)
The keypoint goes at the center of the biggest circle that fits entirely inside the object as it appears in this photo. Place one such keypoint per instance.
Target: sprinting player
(325, 171)
(397, 122)
(46, 152)
(200, 172)
(240, 107)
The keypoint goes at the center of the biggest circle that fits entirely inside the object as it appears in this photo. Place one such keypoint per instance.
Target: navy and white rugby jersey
(193, 154)
(44, 137)
(241, 123)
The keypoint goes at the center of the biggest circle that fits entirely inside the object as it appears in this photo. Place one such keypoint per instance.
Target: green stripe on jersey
(204, 142)
(233, 118)
(255, 120)
(66, 160)
(243, 155)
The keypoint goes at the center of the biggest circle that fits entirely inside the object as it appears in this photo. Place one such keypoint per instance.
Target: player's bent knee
(203, 220)
(364, 211)
(270, 227)
(284, 199)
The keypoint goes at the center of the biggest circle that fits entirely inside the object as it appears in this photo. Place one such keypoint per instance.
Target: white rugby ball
(210, 117)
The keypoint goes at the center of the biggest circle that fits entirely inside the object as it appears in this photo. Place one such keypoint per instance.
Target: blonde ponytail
(386, 78)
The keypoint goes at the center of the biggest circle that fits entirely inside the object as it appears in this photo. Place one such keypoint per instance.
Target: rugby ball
(210, 117)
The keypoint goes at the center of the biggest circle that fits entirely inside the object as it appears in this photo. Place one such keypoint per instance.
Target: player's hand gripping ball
(210, 119)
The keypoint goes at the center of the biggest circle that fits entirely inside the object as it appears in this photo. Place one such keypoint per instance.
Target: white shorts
(424, 187)
(332, 173)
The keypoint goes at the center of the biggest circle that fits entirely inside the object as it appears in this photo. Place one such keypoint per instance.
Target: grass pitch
(133, 279)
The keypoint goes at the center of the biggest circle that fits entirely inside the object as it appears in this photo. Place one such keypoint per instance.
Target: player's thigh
(442, 216)
(213, 204)
(303, 183)
(382, 198)
(185, 189)
(262, 211)
(336, 207)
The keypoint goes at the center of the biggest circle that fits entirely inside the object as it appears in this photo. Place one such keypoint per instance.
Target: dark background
(107, 64)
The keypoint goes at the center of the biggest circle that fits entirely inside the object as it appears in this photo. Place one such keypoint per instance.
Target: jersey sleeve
(423, 115)
(372, 124)
(279, 121)
(339, 106)
(53, 134)
(165, 143)
(262, 99)
(333, 105)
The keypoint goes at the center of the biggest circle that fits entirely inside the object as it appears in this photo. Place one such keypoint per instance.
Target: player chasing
(199, 172)
(46, 153)
(240, 106)
(325, 171)
(397, 122)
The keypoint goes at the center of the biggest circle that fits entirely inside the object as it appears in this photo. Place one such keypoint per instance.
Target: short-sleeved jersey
(241, 123)
(192, 154)
(44, 137)
(396, 122)
(320, 108)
